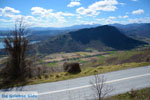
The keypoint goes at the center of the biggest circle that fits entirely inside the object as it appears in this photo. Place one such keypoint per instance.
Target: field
(96, 58)
(57, 60)
(91, 63)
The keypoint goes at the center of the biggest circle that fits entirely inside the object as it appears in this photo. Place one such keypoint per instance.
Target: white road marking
(86, 86)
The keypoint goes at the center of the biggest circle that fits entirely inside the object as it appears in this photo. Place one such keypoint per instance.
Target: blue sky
(61, 13)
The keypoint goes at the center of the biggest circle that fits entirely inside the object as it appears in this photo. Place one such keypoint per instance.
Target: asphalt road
(80, 89)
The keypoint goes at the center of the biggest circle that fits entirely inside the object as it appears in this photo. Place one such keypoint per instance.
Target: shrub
(132, 93)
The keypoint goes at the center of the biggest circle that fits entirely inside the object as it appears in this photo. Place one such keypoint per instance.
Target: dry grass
(143, 94)
(85, 72)
(102, 65)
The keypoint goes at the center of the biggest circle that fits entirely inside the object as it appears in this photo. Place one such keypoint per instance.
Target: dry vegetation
(142, 94)
(91, 63)
(100, 89)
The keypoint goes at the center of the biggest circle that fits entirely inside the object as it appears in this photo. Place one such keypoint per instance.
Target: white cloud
(40, 16)
(87, 12)
(1, 11)
(4, 20)
(139, 11)
(123, 16)
(40, 11)
(111, 17)
(8, 11)
(134, 0)
(73, 3)
(78, 17)
(109, 20)
(84, 22)
(31, 18)
(11, 14)
(122, 4)
(50, 16)
(105, 5)
(65, 14)
(48, 12)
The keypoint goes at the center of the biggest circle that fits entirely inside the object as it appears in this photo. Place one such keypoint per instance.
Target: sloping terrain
(137, 31)
(100, 38)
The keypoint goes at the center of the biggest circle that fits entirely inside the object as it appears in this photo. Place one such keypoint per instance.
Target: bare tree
(100, 88)
(16, 45)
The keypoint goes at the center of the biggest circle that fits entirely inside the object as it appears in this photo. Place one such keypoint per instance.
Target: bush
(132, 93)
(16, 46)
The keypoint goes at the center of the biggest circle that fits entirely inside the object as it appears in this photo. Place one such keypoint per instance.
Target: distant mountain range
(100, 38)
(74, 27)
(133, 30)
(81, 37)
(139, 30)
(136, 31)
(43, 33)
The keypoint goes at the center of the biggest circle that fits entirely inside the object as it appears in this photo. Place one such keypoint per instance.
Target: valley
(91, 62)
(74, 49)
(97, 50)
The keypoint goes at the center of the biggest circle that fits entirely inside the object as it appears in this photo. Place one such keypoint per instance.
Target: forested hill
(100, 38)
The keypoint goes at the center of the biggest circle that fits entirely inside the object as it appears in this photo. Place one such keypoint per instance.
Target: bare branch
(16, 46)
(99, 87)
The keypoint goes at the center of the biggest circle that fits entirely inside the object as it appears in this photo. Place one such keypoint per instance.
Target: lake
(31, 42)
(1, 45)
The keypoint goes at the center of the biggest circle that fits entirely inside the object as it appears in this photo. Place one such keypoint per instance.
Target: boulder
(72, 67)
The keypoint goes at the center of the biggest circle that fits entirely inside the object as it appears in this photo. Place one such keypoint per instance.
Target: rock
(72, 67)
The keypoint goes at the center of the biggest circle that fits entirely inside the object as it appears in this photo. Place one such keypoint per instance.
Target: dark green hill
(100, 38)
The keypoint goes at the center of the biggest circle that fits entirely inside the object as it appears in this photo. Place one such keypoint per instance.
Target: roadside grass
(85, 72)
(142, 94)
(102, 65)
(109, 68)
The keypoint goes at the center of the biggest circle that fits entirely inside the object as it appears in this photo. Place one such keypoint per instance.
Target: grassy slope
(85, 72)
(143, 94)
(102, 65)
(116, 58)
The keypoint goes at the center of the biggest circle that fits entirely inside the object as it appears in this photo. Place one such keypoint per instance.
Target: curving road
(80, 89)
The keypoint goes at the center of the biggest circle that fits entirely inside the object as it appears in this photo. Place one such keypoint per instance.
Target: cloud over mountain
(137, 12)
(73, 3)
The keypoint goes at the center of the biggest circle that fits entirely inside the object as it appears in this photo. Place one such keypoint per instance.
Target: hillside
(100, 38)
(39, 33)
(138, 30)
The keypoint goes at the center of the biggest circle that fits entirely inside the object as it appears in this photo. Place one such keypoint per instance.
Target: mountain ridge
(100, 38)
